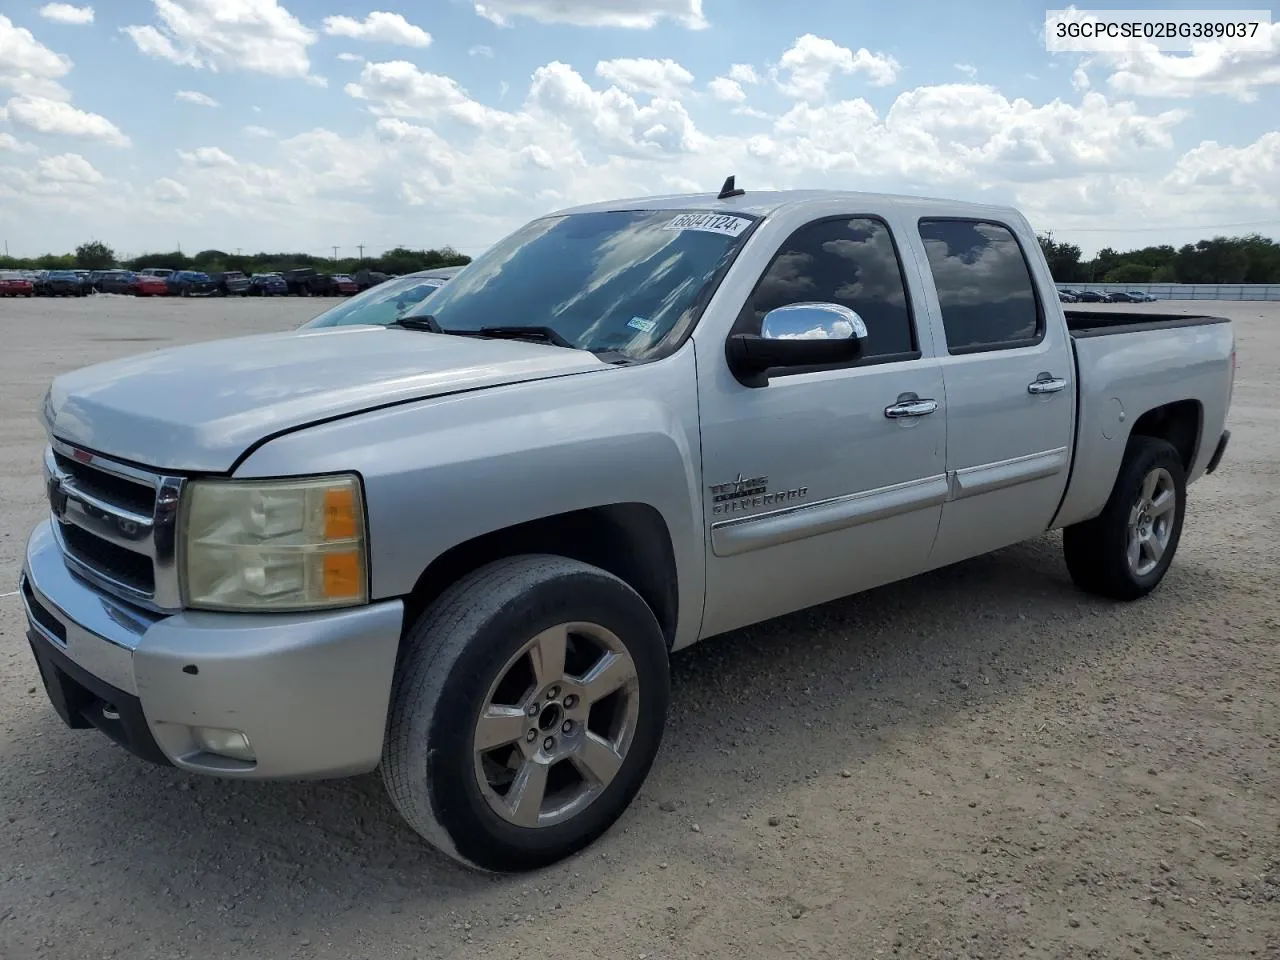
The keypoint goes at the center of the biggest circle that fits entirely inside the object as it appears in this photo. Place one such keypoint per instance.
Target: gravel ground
(980, 762)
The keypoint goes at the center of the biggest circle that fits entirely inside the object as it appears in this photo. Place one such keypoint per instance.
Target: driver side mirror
(797, 335)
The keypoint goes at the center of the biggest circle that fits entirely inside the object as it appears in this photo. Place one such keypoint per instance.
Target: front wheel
(528, 707)
(1125, 551)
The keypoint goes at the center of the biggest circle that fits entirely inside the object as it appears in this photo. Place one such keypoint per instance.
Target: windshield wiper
(508, 332)
(426, 322)
(521, 332)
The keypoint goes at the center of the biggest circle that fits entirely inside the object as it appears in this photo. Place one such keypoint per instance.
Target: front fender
(443, 471)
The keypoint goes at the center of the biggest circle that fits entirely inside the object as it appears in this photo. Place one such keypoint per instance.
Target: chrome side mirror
(797, 335)
(813, 321)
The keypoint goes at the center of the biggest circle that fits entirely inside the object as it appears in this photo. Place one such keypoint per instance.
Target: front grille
(133, 570)
(116, 525)
(105, 486)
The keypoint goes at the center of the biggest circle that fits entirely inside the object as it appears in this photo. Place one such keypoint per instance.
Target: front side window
(616, 281)
(850, 261)
(380, 305)
(984, 285)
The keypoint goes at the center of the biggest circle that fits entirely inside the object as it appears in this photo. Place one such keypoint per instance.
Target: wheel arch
(629, 540)
(1180, 423)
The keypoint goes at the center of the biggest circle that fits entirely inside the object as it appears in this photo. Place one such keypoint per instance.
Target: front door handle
(1046, 384)
(912, 407)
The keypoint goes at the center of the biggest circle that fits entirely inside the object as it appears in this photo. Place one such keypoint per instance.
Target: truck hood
(199, 407)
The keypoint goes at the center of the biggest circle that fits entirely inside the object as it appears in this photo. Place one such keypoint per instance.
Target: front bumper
(309, 691)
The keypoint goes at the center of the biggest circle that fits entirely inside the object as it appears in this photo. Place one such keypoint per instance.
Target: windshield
(619, 280)
(379, 305)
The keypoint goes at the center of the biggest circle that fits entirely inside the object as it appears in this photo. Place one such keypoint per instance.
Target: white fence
(1187, 291)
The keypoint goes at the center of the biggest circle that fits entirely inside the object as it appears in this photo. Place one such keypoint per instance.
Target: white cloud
(378, 27)
(258, 36)
(207, 157)
(806, 69)
(1080, 79)
(1210, 68)
(168, 190)
(253, 130)
(743, 73)
(57, 117)
(29, 67)
(968, 69)
(480, 50)
(350, 57)
(630, 14)
(726, 90)
(656, 78)
(12, 144)
(66, 13)
(194, 96)
(68, 168)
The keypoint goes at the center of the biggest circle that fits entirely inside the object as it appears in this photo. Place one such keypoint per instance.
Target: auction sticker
(720, 223)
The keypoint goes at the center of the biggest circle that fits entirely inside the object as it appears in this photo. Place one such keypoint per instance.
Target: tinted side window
(849, 261)
(984, 285)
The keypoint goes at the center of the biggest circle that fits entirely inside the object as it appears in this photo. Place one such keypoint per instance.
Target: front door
(1010, 385)
(826, 481)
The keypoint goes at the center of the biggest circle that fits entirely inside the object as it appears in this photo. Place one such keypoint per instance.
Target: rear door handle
(914, 407)
(1046, 384)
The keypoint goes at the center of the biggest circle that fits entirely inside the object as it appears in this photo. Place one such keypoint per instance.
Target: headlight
(274, 545)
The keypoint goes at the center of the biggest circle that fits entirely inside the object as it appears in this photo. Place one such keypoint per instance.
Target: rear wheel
(1125, 551)
(527, 710)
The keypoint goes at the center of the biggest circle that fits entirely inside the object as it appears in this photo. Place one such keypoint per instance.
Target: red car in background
(146, 285)
(344, 286)
(13, 284)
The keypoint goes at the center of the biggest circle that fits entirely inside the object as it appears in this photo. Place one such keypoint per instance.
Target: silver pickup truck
(460, 545)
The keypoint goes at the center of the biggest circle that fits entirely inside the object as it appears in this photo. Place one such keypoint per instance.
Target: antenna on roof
(729, 190)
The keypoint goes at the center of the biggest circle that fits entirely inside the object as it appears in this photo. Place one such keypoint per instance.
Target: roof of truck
(764, 202)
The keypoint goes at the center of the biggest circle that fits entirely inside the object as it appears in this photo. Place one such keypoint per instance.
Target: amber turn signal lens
(339, 513)
(342, 574)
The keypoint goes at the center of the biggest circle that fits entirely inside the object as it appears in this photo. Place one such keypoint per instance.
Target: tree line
(1249, 259)
(96, 255)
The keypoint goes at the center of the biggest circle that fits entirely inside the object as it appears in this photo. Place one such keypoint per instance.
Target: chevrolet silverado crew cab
(460, 547)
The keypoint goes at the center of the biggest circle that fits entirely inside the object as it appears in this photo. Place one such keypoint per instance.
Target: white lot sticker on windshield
(433, 282)
(720, 223)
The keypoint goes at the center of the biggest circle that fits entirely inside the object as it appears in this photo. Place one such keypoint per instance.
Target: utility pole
(335, 253)
(359, 246)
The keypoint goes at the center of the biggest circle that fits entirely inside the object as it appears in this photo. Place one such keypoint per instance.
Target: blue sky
(305, 124)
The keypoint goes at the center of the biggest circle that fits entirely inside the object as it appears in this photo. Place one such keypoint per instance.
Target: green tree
(1129, 273)
(95, 255)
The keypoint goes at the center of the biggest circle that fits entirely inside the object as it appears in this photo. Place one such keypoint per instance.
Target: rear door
(1008, 367)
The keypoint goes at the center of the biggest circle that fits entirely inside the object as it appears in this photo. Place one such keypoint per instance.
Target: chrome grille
(116, 524)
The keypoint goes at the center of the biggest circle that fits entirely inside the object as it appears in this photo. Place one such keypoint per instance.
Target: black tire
(1097, 550)
(449, 658)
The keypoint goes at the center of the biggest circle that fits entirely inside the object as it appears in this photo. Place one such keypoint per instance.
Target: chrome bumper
(309, 691)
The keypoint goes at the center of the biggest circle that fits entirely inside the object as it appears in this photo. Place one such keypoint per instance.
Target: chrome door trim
(745, 534)
(986, 477)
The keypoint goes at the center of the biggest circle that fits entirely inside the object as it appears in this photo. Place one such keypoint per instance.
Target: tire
(452, 661)
(1099, 552)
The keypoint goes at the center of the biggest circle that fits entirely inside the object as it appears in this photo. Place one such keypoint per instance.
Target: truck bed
(1101, 323)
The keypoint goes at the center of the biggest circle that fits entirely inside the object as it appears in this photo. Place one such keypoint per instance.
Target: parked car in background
(1140, 296)
(267, 285)
(1092, 296)
(231, 283)
(191, 283)
(116, 281)
(146, 285)
(384, 304)
(366, 278)
(15, 284)
(83, 277)
(1066, 296)
(344, 286)
(164, 273)
(61, 283)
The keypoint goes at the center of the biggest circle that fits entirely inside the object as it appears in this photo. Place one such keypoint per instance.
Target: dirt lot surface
(981, 762)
